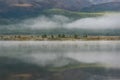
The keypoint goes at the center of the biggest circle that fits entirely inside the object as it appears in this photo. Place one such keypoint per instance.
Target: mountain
(111, 6)
(20, 8)
(28, 8)
(63, 4)
(74, 5)
(103, 1)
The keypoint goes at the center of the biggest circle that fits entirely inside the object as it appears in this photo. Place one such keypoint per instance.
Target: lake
(60, 60)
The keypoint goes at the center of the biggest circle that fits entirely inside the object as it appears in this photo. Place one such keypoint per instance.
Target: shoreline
(57, 38)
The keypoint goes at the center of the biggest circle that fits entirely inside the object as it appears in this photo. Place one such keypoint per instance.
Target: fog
(104, 22)
(107, 21)
(63, 53)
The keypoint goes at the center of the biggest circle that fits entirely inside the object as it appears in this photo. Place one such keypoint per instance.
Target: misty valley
(59, 60)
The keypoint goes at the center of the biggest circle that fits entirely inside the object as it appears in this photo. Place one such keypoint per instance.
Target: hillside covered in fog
(92, 17)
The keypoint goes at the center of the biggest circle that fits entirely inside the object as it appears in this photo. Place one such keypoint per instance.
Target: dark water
(78, 56)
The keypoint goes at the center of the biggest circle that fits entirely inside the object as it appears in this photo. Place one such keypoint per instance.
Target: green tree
(52, 36)
(63, 35)
(59, 35)
(85, 36)
(44, 36)
(75, 36)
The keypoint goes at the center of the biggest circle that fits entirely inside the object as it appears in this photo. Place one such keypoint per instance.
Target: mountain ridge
(111, 6)
(23, 8)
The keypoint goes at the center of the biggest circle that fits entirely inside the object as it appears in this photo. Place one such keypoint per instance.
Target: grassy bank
(59, 37)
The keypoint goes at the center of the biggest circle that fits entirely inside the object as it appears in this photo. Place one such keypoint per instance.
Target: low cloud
(104, 22)
(107, 21)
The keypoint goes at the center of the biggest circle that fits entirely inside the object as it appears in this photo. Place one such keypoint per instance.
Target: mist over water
(63, 53)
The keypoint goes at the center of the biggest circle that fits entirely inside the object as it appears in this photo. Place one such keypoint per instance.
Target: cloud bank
(107, 21)
(104, 22)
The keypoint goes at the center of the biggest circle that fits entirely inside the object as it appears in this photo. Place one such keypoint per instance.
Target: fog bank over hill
(59, 24)
(108, 21)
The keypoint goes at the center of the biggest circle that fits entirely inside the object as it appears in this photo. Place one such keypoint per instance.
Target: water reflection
(63, 53)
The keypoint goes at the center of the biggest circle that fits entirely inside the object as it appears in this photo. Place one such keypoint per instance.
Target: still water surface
(54, 52)
(61, 53)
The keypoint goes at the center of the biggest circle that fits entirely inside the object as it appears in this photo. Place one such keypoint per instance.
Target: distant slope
(16, 9)
(73, 14)
(41, 4)
(73, 5)
(23, 8)
(103, 1)
(111, 6)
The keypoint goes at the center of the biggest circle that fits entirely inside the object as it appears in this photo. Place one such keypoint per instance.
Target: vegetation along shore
(60, 37)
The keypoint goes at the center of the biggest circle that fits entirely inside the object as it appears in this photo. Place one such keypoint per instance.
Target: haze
(107, 21)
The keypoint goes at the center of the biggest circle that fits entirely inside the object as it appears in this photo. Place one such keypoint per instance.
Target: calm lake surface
(63, 53)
